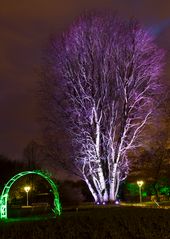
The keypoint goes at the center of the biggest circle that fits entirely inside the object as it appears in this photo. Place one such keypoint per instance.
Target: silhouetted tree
(9, 168)
(33, 154)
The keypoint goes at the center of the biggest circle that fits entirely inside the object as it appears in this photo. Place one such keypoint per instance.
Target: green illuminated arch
(6, 189)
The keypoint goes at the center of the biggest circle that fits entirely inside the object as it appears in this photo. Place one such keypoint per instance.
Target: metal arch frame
(8, 185)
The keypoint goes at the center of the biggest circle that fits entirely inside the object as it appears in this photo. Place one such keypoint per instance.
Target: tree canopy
(102, 77)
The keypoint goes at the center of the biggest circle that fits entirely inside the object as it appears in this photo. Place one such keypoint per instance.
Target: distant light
(27, 189)
(104, 203)
(116, 202)
(140, 183)
(98, 203)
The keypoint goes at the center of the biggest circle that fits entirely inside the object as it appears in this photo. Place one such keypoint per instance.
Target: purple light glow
(106, 72)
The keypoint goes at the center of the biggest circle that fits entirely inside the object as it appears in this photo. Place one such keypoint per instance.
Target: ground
(93, 222)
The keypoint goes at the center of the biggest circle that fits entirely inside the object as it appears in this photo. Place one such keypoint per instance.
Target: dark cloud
(25, 28)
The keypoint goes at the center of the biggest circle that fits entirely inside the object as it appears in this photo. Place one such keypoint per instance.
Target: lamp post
(140, 183)
(27, 189)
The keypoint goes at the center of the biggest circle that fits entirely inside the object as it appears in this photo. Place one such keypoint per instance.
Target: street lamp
(27, 189)
(140, 183)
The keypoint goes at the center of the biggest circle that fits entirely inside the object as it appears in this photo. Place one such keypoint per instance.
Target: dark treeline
(9, 168)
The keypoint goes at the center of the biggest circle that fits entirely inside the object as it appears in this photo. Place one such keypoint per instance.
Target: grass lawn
(163, 204)
(103, 222)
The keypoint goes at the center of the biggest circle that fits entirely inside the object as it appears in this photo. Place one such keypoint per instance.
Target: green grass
(95, 223)
(164, 204)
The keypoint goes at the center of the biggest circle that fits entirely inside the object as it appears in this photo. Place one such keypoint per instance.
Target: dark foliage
(9, 168)
(73, 193)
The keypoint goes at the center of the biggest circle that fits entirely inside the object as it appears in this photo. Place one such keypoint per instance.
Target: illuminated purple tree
(104, 73)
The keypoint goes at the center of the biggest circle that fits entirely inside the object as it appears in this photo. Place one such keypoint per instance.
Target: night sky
(25, 29)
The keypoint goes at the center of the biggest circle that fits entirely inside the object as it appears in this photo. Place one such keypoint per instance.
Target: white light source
(140, 183)
(27, 189)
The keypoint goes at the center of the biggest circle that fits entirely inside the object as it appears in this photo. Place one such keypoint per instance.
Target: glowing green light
(6, 189)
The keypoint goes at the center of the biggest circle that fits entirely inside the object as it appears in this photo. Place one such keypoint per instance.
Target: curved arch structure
(8, 185)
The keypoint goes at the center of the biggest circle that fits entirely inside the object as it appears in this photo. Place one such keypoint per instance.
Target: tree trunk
(102, 185)
(114, 184)
(94, 194)
(103, 190)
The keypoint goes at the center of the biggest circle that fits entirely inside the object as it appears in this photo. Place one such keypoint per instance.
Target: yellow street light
(140, 183)
(27, 189)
